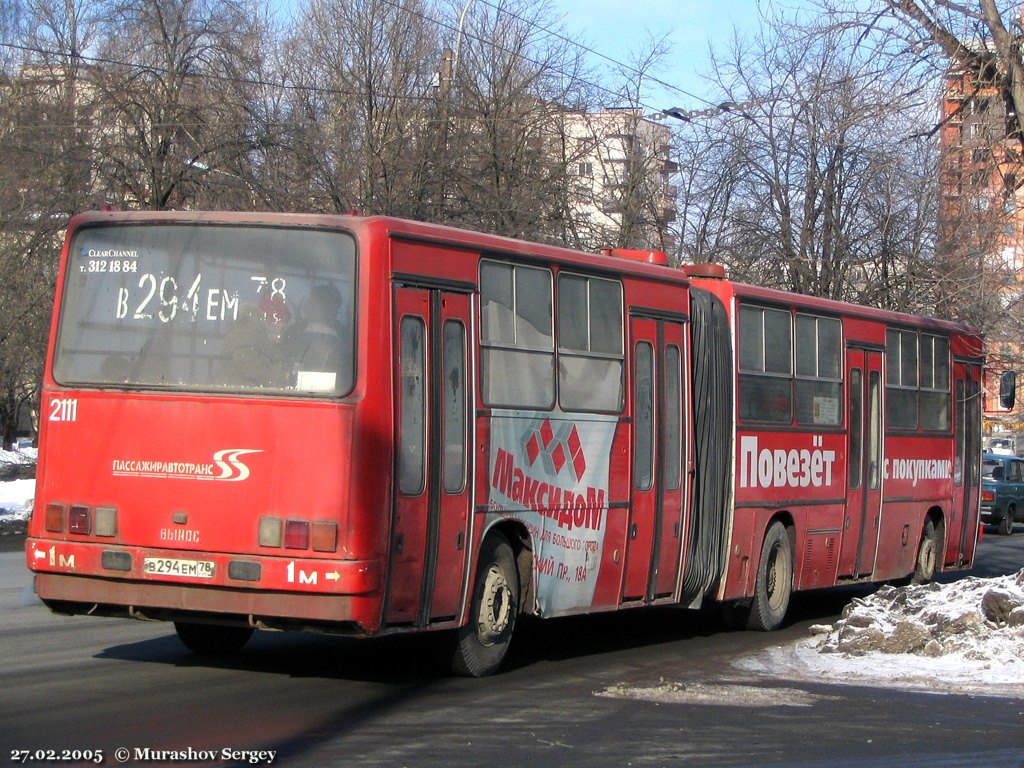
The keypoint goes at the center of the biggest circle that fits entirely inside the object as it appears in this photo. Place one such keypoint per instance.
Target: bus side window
(766, 365)
(819, 388)
(590, 356)
(412, 403)
(454, 399)
(516, 336)
(643, 456)
(901, 379)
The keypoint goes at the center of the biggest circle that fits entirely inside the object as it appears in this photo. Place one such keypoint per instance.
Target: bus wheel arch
(519, 538)
(495, 600)
(773, 582)
(928, 560)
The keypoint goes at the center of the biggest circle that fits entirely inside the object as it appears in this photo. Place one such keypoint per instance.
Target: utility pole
(444, 107)
(446, 79)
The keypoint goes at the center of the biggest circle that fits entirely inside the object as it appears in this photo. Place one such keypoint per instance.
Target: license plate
(166, 566)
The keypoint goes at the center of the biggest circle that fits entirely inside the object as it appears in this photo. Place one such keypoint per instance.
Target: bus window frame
(922, 396)
(213, 391)
(563, 351)
(796, 381)
(489, 346)
(817, 382)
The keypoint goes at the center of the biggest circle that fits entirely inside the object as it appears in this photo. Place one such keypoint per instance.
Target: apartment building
(621, 172)
(981, 217)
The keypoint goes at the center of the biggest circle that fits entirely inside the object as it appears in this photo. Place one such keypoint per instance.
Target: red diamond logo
(532, 448)
(573, 440)
(579, 464)
(546, 433)
(558, 458)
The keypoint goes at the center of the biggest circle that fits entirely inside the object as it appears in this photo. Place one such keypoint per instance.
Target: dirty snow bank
(982, 619)
(962, 637)
(16, 495)
(727, 693)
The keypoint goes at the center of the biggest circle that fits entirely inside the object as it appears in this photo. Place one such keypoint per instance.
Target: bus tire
(1006, 524)
(927, 555)
(483, 642)
(212, 639)
(774, 582)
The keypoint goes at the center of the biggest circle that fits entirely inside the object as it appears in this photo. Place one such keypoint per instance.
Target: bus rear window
(205, 307)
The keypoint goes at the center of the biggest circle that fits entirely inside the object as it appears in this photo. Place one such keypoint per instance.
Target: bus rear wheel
(927, 555)
(774, 582)
(212, 639)
(484, 640)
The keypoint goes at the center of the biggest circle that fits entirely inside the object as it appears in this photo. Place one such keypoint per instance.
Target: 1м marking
(305, 577)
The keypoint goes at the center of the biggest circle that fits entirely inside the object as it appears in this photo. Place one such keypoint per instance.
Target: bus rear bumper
(275, 592)
(78, 595)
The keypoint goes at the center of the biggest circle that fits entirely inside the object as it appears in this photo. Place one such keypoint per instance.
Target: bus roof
(405, 229)
(832, 306)
(530, 251)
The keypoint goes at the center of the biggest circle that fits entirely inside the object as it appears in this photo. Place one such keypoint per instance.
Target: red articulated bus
(364, 425)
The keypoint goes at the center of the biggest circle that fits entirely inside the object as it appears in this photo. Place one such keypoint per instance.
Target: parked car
(1002, 491)
(1004, 446)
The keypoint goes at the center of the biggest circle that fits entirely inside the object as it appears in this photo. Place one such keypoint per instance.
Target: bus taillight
(55, 514)
(79, 520)
(270, 532)
(296, 534)
(325, 536)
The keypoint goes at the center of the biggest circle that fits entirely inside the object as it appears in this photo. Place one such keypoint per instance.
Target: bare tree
(362, 122)
(508, 140)
(974, 50)
(43, 180)
(168, 104)
(933, 36)
(805, 164)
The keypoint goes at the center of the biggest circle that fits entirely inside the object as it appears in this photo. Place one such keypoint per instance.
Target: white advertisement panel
(550, 471)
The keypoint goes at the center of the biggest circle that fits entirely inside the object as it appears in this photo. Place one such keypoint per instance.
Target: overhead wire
(440, 23)
(470, 35)
(621, 65)
(155, 69)
(711, 110)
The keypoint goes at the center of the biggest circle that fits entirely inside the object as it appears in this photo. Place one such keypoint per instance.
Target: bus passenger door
(963, 524)
(864, 463)
(433, 436)
(655, 532)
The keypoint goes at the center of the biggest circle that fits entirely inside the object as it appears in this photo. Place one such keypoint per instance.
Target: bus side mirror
(1008, 389)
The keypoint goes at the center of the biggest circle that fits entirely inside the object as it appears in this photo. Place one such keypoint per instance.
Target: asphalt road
(99, 684)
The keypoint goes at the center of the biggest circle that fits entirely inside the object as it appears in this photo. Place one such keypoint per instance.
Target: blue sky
(615, 27)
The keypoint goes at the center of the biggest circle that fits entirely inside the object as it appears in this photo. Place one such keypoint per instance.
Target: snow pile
(19, 463)
(963, 637)
(980, 619)
(16, 495)
(725, 694)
